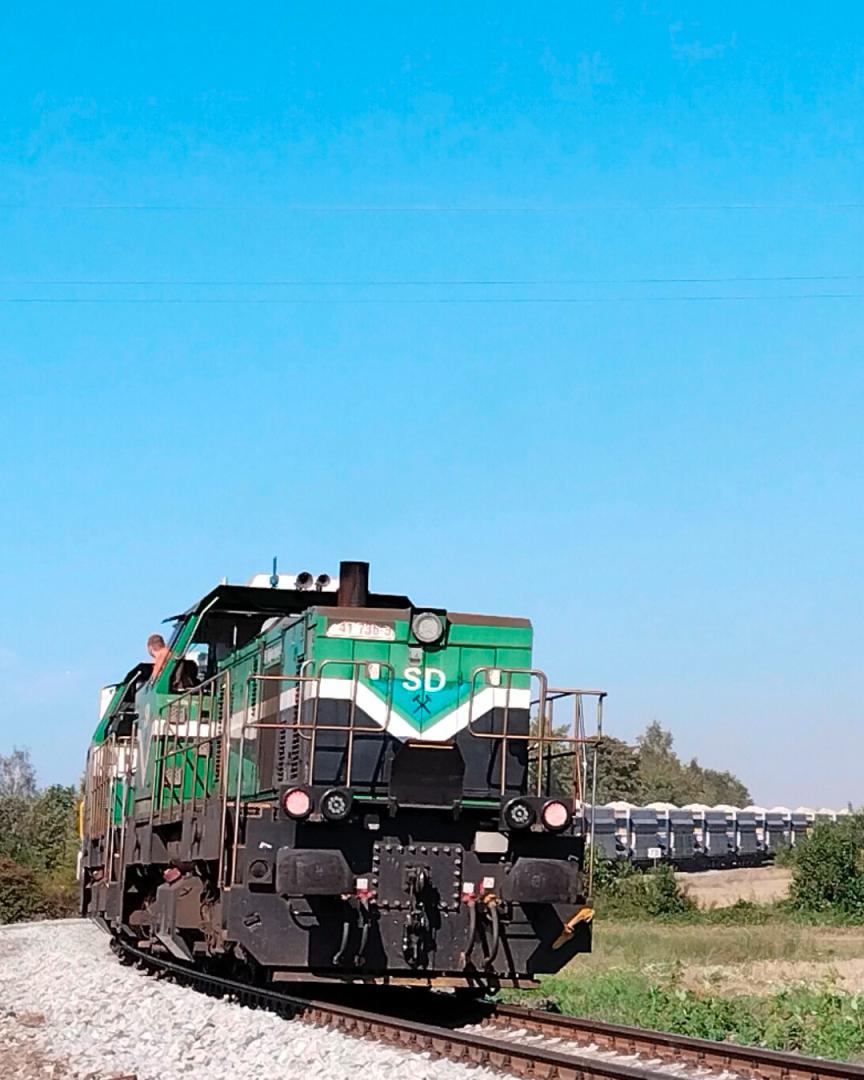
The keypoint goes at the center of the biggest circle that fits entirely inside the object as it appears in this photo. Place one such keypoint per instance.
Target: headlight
(427, 627)
(336, 804)
(518, 814)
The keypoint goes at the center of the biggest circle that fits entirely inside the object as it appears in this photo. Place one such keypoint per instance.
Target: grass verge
(646, 973)
(818, 1021)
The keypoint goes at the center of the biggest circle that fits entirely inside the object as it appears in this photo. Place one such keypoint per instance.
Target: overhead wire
(421, 301)
(390, 283)
(299, 208)
(431, 208)
(416, 282)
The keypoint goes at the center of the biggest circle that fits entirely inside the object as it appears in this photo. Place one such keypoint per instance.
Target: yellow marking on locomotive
(583, 914)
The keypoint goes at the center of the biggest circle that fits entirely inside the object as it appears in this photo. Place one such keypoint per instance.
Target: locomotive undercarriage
(411, 901)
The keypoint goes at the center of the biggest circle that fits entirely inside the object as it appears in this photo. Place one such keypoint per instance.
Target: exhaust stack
(353, 584)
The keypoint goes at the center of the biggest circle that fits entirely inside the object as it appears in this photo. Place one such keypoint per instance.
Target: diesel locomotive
(327, 783)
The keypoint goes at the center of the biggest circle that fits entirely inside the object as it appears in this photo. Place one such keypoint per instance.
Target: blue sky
(551, 311)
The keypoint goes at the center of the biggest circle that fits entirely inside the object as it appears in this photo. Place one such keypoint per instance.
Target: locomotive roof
(247, 599)
(281, 601)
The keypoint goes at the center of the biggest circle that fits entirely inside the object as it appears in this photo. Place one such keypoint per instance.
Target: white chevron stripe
(490, 697)
(333, 689)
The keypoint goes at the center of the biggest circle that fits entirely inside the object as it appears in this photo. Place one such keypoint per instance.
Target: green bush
(22, 894)
(742, 913)
(622, 890)
(60, 898)
(663, 894)
(827, 869)
(27, 894)
(607, 872)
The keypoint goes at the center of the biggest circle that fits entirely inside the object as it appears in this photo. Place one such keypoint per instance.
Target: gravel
(68, 1009)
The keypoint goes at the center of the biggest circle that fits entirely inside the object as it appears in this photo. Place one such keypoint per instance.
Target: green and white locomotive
(321, 782)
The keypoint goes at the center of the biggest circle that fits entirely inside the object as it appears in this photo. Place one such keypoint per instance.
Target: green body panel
(180, 776)
(119, 811)
(101, 731)
(423, 691)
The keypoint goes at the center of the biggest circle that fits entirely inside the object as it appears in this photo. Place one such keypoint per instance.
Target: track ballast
(515, 1040)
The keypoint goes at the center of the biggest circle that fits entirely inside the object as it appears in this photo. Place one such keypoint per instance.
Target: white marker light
(518, 814)
(427, 627)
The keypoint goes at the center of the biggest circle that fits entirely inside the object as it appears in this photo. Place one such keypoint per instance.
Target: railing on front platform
(524, 709)
(106, 798)
(300, 704)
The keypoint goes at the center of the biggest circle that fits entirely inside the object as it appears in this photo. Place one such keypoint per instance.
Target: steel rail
(752, 1062)
(521, 1058)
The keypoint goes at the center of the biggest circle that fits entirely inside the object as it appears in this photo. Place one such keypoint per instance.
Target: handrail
(540, 729)
(174, 726)
(308, 729)
(103, 780)
(495, 677)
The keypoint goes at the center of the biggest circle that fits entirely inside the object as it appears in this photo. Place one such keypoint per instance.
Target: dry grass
(640, 944)
(722, 888)
(773, 976)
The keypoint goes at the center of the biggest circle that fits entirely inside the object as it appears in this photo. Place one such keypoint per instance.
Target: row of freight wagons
(699, 837)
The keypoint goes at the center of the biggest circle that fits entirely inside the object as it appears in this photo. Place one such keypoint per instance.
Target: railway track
(516, 1040)
(753, 1063)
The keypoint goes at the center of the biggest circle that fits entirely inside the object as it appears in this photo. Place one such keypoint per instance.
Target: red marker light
(296, 803)
(555, 815)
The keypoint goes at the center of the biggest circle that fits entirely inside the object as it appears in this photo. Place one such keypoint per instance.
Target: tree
(14, 833)
(17, 775)
(659, 767)
(656, 743)
(21, 894)
(50, 828)
(38, 843)
(720, 787)
(664, 777)
(618, 775)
